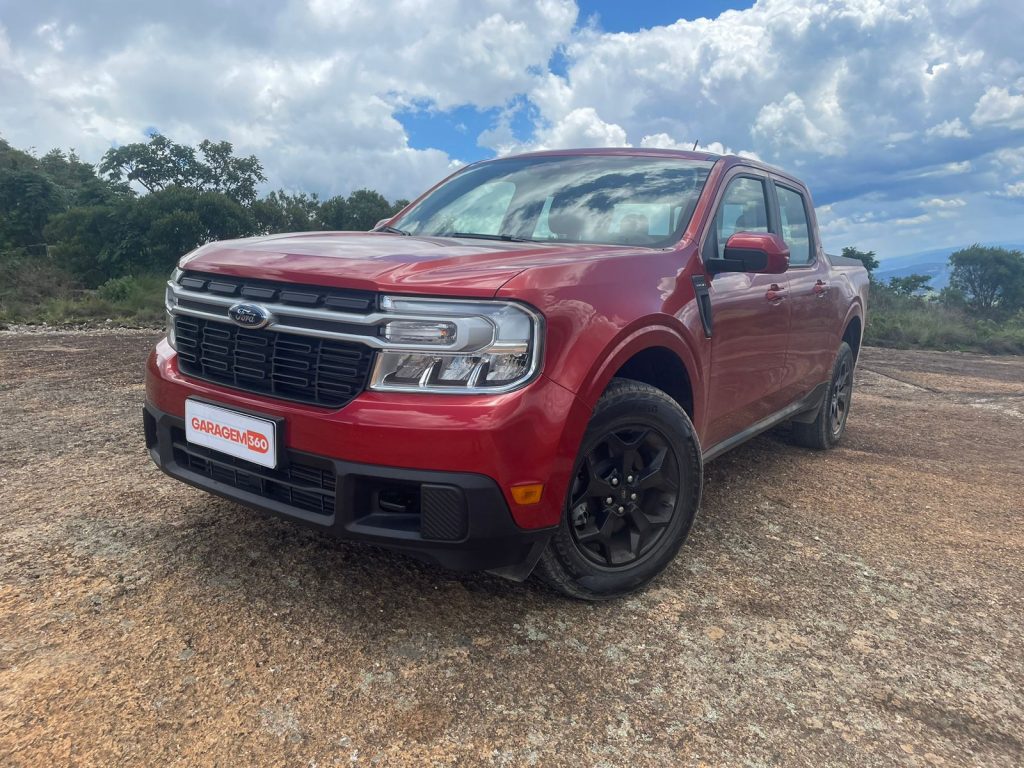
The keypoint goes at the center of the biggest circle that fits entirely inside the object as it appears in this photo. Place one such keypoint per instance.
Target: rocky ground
(860, 607)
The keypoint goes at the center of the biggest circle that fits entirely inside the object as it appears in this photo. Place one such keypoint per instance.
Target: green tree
(88, 242)
(909, 285)
(990, 279)
(867, 258)
(77, 180)
(164, 226)
(161, 163)
(27, 200)
(364, 208)
(282, 212)
(221, 171)
(334, 213)
(143, 235)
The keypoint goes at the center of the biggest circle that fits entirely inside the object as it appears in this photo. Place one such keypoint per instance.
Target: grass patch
(34, 291)
(910, 322)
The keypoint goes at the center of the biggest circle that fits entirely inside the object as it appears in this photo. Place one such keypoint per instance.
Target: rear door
(813, 336)
(751, 317)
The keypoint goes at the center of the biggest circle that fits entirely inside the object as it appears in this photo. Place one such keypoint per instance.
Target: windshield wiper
(392, 230)
(481, 236)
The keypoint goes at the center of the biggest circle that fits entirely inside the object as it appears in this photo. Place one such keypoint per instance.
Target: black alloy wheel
(842, 393)
(824, 427)
(624, 496)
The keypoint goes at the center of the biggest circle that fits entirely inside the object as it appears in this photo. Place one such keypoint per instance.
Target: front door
(751, 321)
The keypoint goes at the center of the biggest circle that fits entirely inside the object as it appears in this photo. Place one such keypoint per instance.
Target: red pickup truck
(523, 371)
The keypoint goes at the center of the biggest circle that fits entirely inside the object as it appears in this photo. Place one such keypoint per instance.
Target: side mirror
(760, 252)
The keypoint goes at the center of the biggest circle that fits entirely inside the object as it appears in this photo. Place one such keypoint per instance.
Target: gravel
(857, 607)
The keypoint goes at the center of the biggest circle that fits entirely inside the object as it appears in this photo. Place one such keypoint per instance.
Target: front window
(614, 200)
(744, 208)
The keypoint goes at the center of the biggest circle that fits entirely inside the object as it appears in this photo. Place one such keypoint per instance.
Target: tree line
(67, 225)
(984, 279)
(146, 204)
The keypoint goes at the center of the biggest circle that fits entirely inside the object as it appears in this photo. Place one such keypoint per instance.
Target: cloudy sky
(906, 117)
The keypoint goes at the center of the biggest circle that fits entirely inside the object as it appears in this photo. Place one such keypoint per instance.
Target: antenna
(695, 145)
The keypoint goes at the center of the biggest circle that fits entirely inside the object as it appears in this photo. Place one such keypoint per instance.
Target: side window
(795, 230)
(743, 209)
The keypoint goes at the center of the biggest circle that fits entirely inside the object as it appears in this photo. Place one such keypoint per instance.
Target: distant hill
(934, 263)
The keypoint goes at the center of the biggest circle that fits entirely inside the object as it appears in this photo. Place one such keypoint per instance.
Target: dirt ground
(860, 607)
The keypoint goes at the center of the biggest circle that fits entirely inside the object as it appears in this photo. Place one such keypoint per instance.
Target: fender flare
(646, 333)
(855, 311)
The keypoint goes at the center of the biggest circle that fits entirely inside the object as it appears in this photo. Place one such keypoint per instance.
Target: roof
(730, 159)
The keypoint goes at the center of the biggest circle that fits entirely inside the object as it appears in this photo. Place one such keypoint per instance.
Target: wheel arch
(658, 356)
(853, 333)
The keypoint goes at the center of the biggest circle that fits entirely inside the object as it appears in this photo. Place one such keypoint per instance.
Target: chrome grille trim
(285, 316)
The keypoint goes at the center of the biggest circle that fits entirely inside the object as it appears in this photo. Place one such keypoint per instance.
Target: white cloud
(1009, 160)
(949, 129)
(581, 128)
(938, 202)
(1015, 190)
(787, 124)
(312, 89)
(864, 99)
(664, 141)
(945, 169)
(997, 106)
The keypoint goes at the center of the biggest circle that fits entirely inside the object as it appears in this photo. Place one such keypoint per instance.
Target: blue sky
(905, 117)
(630, 17)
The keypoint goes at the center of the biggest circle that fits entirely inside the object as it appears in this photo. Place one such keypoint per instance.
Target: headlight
(170, 302)
(488, 346)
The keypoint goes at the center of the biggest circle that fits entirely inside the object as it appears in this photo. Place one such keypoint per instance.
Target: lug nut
(632, 496)
(609, 500)
(629, 479)
(621, 510)
(615, 481)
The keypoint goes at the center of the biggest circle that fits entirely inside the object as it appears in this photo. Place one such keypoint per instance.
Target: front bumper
(456, 457)
(457, 520)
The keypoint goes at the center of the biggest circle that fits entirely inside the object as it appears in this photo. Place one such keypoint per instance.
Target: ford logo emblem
(249, 315)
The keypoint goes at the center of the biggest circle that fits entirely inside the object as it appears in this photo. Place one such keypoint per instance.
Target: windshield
(615, 200)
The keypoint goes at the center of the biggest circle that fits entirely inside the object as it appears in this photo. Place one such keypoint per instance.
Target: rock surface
(860, 607)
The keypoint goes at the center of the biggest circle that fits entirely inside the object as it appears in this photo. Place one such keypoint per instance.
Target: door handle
(776, 293)
(820, 288)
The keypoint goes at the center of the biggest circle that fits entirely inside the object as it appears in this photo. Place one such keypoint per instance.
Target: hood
(379, 261)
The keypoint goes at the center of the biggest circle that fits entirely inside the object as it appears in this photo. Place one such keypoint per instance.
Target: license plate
(236, 434)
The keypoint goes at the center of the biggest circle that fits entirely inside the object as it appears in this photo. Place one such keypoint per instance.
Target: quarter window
(795, 231)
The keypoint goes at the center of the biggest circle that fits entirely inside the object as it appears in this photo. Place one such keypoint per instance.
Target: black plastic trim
(700, 289)
(807, 403)
(297, 294)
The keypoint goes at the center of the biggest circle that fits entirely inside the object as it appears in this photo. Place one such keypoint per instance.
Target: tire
(641, 452)
(830, 423)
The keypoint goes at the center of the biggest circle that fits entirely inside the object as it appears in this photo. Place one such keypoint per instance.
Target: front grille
(303, 486)
(292, 367)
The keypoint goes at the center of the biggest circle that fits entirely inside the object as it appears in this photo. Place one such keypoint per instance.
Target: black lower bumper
(457, 520)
